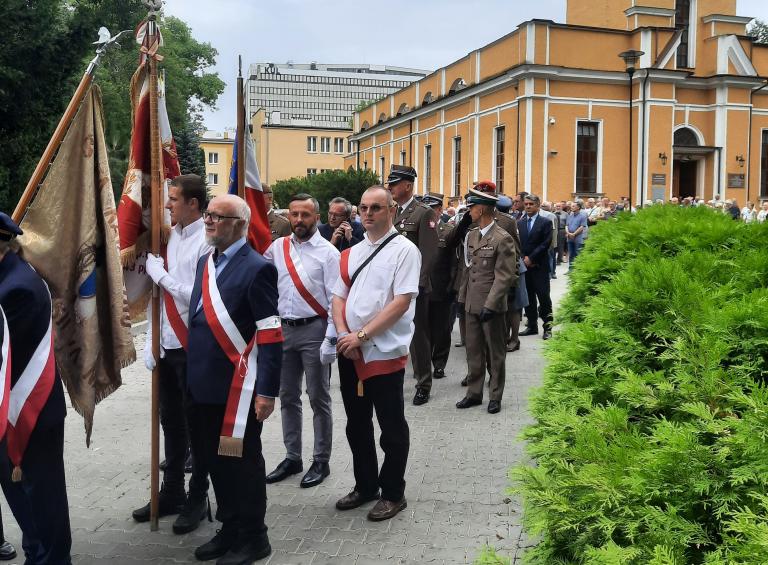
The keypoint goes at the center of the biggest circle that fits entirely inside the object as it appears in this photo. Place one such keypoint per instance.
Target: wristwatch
(362, 336)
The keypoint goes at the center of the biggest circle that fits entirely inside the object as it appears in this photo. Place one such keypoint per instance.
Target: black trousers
(239, 482)
(441, 317)
(384, 393)
(421, 350)
(39, 501)
(537, 285)
(174, 407)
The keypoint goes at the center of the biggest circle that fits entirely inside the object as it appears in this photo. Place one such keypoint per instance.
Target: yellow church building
(647, 99)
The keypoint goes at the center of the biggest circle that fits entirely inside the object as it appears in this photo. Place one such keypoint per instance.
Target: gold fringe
(128, 256)
(165, 234)
(16, 474)
(230, 446)
(360, 388)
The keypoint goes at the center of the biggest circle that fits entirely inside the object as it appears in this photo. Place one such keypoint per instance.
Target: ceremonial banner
(71, 239)
(259, 233)
(133, 211)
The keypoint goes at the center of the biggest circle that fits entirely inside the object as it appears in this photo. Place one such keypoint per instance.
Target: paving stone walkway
(456, 481)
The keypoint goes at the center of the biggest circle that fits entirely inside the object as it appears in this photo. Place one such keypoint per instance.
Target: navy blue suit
(248, 288)
(39, 501)
(535, 245)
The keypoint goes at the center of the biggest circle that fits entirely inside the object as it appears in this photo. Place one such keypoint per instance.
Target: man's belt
(299, 321)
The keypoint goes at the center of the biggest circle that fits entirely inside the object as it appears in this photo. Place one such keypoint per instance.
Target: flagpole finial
(154, 6)
(105, 42)
(240, 66)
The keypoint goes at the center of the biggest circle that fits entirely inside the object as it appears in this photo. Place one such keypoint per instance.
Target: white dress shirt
(320, 261)
(394, 271)
(185, 247)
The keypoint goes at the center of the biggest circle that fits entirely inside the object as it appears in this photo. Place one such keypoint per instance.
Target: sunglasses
(374, 208)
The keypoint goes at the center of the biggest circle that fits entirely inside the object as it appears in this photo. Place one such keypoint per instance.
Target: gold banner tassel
(360, 388)
(16, 474)
(230, 446)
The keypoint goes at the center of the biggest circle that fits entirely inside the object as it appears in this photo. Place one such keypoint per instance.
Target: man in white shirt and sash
(307, 270)
(373, 310)
(186, 245)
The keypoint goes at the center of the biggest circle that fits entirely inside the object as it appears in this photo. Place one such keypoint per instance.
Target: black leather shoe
(421, 397)
(460, 344)
(546, 335)
(494, 406)
(245, 554)
(511, 348)
(7, 551)
(188, 463)
(438, 374)
(529, 331)
(285, 469)
(167, 506)
(467, 402)
(355, 499)
(464, 381)
(317, 472)
(219, 545)
(192, 514)
(163, 465)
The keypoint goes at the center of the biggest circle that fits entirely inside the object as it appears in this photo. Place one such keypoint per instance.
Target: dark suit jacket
(535, 245)
(27, 306)
(248, 288)
(357, 235)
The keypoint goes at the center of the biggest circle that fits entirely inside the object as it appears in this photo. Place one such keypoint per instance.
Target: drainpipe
(410, 142)
(641, 149)
(749, 137)
(517, 147)
(719, 167)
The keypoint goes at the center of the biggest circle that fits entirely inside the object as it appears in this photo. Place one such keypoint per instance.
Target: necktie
(399, 210)
(216, 258)
(530, 224)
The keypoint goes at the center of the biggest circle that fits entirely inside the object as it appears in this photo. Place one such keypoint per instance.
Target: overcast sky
(425, 34)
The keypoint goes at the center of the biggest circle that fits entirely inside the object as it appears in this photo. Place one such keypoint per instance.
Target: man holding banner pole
(307, 269)
(233, 374)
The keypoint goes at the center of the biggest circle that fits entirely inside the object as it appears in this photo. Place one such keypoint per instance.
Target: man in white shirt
(307, 268)
(186, 200)
(373, 309)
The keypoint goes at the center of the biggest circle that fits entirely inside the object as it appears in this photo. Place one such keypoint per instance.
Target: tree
(191, 155)
(759, 30)
(348, 184)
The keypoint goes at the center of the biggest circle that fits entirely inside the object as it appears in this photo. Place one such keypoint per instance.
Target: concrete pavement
(456, 480)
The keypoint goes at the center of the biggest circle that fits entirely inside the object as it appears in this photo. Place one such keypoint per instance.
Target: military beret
(486, 197)
(400, 172)
(8, 228)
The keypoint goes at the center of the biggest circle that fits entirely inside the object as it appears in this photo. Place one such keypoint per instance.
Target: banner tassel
(230, 446)
(16, 474)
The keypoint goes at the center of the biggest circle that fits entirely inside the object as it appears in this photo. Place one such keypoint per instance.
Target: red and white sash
(372, 368)
(27, 398)
(5, 376)
(177, 323)
(308, 288)
(242, 355)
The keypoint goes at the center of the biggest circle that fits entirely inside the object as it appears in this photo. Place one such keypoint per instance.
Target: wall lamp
(663, 157)
(740, 160)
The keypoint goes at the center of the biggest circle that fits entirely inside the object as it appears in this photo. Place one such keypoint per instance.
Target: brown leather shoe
(355, 499)
(386, 509)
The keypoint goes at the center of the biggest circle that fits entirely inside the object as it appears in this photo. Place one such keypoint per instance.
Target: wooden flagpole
(61, 130)
(156, 176)
(241, 131)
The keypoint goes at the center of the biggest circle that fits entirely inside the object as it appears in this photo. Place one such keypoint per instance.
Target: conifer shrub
(650, 441)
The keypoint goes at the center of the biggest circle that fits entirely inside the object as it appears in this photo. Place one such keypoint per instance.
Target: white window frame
(213, 179)
(311, 144)
(599, 181)
(325, 145)
(427, 168)
(213, 158)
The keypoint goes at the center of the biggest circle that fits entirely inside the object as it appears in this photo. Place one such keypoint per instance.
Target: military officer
(518, 298)
(441, 313)
(417, 222)
(491, 260)
(279, 226)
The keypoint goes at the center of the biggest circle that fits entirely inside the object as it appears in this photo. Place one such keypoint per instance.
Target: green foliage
(191, 155)
(651, 433)
(759, 30)
(488, 556)
(348, 184)
(43, 54)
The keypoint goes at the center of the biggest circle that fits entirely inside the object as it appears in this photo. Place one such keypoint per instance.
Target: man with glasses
(418, 223)
(186, 245)
(233, 376)
(535, 239)
(340, 230)
(279, 226)
(373, 309)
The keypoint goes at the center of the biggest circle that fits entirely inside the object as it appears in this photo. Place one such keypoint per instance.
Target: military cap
(504, 204)
(433, 199)
(483, 192)
(400, 172)
(8, 228)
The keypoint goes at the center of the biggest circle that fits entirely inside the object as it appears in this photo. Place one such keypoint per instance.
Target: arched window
(457, 85)
(382, 117)
(682, 21)
(686, 137)
(365, 126)
(403, 109)
(427, 98)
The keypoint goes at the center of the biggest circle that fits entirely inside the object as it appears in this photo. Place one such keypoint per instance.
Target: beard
(303, 232)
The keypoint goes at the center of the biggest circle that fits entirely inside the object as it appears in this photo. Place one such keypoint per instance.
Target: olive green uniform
(279, 225)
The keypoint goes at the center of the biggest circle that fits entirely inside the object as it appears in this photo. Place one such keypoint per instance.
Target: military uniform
(417, 222)
(279, 225)
(441, 299)
(513, 316)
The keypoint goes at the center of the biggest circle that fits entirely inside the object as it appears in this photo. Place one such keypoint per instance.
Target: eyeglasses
(374, 208)
(332, 215)
(216, 218)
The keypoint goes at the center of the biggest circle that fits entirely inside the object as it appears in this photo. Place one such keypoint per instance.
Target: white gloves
(149, 359)
(155, 268)
(328, 347)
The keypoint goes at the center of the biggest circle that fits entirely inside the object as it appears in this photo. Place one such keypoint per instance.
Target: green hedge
(651, 434)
